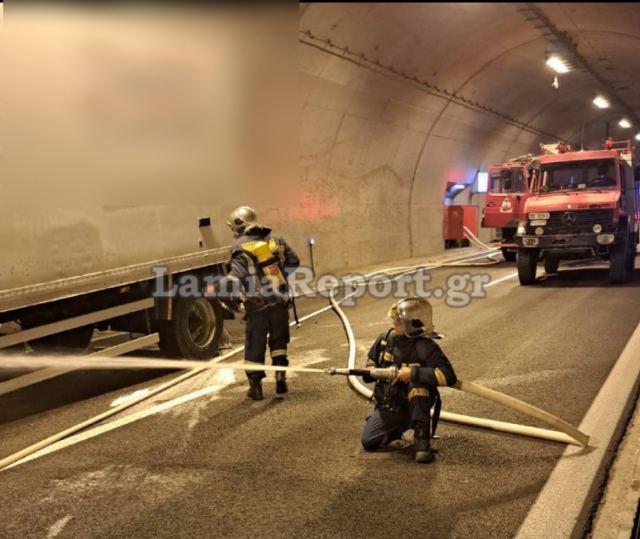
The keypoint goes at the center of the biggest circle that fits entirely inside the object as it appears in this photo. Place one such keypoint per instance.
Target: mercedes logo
(569, 218)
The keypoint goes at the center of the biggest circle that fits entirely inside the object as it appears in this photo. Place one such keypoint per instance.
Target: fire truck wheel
(527, 262)
(509, 255)
(194, 331)
(551, 265)
(631, 260)
(619, 262)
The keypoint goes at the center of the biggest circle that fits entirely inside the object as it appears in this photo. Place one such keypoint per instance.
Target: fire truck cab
(506, 195)
(583, 204)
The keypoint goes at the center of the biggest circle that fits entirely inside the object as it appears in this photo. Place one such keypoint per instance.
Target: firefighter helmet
(416, 314)
(242, 219)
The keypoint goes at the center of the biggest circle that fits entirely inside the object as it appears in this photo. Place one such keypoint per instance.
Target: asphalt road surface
(223, 466)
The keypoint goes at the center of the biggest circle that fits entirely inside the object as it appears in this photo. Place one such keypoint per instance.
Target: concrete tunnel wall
(376, 150)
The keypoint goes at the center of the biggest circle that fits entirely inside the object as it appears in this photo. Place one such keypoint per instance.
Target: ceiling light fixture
(557, 64)
(624, 123)
(601, 102)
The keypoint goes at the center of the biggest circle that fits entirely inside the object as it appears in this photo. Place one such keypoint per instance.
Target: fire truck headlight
(539, 231)
(522, 230)
(605, 239)
(597, 229)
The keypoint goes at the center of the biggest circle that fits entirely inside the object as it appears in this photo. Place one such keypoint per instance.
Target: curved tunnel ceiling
(492, 54)
(399, 99)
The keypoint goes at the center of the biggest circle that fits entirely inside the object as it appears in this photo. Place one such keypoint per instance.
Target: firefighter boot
(281, 382)
(255, 389)
(424, 453)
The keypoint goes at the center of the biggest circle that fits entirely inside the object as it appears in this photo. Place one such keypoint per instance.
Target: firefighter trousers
(384, 426)
(269, 325)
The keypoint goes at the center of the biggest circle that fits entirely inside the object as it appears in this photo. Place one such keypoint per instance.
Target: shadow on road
(585, 277)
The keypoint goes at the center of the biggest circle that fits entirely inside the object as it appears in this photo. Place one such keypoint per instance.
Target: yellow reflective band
(253, 361)
(418, 392)
(387, 356)
(277, 353)
(442, 380)
(412, 364)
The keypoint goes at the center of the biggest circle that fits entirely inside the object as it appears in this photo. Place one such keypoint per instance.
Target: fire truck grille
(579, 221)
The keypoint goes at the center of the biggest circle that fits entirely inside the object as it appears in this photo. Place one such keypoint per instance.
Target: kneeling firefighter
(405, 401)
(261, 264)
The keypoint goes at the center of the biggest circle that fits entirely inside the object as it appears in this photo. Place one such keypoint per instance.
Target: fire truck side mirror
(535, 165)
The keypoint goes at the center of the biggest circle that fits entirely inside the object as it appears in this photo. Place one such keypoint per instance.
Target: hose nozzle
(334, 371)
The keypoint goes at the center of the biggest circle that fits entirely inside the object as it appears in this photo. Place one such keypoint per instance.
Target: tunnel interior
(354, 137)
(401, 101)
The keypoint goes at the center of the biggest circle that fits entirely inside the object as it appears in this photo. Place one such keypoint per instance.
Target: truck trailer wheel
(619, 262)
(551, 265)
(194, 331)
(509, 254)
(527, 262)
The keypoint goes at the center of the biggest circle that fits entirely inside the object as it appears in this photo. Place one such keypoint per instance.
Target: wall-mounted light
(624, 123)
(557, 64)
(601, 102)
(637, 136)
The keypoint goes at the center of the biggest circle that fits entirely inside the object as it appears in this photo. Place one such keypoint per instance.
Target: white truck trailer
(64, 274)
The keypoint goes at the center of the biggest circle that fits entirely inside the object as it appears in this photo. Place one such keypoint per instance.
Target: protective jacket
(262, 263)
(430, 369)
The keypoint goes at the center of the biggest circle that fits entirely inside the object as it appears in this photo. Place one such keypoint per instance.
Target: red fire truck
(583, 204)
(505, 199)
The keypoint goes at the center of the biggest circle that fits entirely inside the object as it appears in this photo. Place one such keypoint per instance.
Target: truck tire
(508, 254)
(527, 262)
(619, 262)
(551, 265)
(74, 341)
(194, 331)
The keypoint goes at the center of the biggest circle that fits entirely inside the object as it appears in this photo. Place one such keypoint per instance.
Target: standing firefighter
(406, 401)
(261, 264)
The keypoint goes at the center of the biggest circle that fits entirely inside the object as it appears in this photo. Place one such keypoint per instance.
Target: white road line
(58, 526)
(502, 279)
(563, 506)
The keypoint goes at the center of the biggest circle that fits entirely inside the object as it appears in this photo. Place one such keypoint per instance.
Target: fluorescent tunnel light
(557, 64)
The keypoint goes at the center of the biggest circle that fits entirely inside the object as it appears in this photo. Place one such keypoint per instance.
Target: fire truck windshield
(579, 175)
